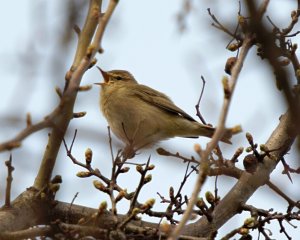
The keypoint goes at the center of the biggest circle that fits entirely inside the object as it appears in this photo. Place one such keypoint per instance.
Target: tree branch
(16, 141)
(282, 138)
(216, 137)
(66, 105)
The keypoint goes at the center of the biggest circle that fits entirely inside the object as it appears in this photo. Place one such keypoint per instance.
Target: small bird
(141, 116)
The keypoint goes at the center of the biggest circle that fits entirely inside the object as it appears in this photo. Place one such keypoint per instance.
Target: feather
(160, 100)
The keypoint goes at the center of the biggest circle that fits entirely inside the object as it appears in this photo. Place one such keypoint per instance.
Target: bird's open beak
(105, 77)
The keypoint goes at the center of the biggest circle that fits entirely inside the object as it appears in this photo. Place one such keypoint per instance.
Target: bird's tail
(208, 131)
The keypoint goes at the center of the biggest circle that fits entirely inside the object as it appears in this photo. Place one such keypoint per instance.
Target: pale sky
(144, 39)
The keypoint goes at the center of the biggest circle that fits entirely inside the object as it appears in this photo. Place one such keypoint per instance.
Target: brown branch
(220, 26)
(143, 173)
(88, 30)
(197, 106)
(9, 180)
(30, 129)
(71, 230)
(272, 53)
(216, 137)
(106, 220)
(164, 152)
(280, 139)
(237, 173)
(30, 233)
(66, 105)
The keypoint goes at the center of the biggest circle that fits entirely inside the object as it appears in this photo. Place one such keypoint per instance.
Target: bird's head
(116, 76)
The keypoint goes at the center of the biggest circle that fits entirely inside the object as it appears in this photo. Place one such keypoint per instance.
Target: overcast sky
(143, 38)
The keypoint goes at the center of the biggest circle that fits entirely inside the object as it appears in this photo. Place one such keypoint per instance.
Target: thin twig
(30, 233)
(110, 145)
(164, 152)
(199, 100)
(218, 25)
(70, 207)
(16, 141)
(216, 137)
(73, 140)
(95, 172)
(139, 187)
(237, 173)
(9, 180)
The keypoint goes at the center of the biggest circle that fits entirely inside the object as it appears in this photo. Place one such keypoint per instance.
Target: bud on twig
(237, 153)
(250, 163)
(171, 193)
(58, 92)
(236, 129)
(28, 120)
(165, 227)
(209, 197)
(79, 114)
(68, 75)
(102, 207)
(230, 64)
(139, 168)
(120, 196)
(163, 152)
(249, 138)
(88, 156)
(148, 178)
(226, 87)
(232, 47)
(200, 203)
(249, 222)
(244, 231)
(198, 149)
(99, 185)
(124, 169)
(148, 204)
(83, 174)
(56, 179)
(151, 167)
(54, 187)
(264, 148)
(85, 88)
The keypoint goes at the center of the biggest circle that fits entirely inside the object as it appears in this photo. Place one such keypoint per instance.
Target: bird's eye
(118, 77)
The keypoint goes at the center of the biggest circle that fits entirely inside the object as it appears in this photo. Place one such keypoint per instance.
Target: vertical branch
(139, 188)
(65, 108)
(9, 180)
(197, 106)
(216, 137)
(88, 30)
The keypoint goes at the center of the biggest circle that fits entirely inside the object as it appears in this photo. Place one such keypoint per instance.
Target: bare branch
(71, 88)
(199, 100)
(9, 180)
(216, 137)
(30, 129)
